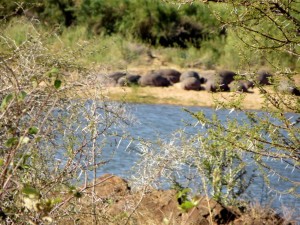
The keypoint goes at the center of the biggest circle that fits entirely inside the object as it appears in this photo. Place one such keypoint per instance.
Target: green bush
(156, 23)
(51, 137)
(149, 21)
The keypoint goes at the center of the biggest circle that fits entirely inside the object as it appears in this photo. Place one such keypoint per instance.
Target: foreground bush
(51, 140)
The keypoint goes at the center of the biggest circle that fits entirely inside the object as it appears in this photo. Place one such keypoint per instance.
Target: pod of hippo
(212, 81)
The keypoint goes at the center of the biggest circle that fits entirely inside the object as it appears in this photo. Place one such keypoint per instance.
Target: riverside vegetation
(53, 50)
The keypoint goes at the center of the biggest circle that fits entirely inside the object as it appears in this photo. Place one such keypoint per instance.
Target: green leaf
(34, 81)
(31, 192)
(24, 140)
(38, 139)
(25, 167)
(56, 201)
(183, 193)
(33, 130)
(11, 142)
(26, 156)
(22, 95)
(7, 99)
(72, 189)
(185, 206)
(75, 192)
(1, 162)
(52, 72)
(57, 83)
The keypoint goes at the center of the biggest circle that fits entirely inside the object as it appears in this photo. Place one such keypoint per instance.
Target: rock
(110, 186)
(117, 204)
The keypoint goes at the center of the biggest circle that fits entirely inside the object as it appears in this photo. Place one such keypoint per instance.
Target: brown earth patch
(116, 203)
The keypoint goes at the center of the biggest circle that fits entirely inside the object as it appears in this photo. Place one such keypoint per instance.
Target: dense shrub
(152, 22)
(51, 140)
(50, 12)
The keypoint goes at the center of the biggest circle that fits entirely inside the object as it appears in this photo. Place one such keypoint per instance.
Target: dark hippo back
(241, 85)
(112, 79)
(128, 80)
(219, 81)
(188, 74)
(116, 76)
(225, 77)
(263, 77)
(288, 87)
(154, 79)
(171, 74)
(191, 83)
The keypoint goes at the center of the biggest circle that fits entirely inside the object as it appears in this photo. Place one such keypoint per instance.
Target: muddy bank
(116, 203)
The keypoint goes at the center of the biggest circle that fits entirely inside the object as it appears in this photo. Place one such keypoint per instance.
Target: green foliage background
(151, 23)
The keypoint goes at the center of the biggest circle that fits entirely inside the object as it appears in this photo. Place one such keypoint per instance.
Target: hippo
(154, 79)
(211, 85)
(225, 77)
(192, 74)
(116, 75)
(263, 77)
(287, 87)
(112, 79)
(191, 83)
(219, 81)
(128, 80)
(242, 85)
(171, 74)
(188, 74)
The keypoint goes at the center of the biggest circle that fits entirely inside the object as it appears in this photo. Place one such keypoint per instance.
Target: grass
(176, 96)
(139, 95)
(116, 52)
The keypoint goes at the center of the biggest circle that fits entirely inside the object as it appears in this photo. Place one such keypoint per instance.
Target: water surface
(160, 121)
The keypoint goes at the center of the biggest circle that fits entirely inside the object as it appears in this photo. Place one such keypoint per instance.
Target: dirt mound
(116, 203)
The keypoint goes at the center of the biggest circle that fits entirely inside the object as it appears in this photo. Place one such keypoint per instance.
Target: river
(160, 121)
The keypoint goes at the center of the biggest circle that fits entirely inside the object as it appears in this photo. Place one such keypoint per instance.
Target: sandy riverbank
(176, 96)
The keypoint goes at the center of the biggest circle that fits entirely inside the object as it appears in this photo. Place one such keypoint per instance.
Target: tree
(267, 24)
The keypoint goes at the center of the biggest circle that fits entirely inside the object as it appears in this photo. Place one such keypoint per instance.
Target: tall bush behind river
(154, 23)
